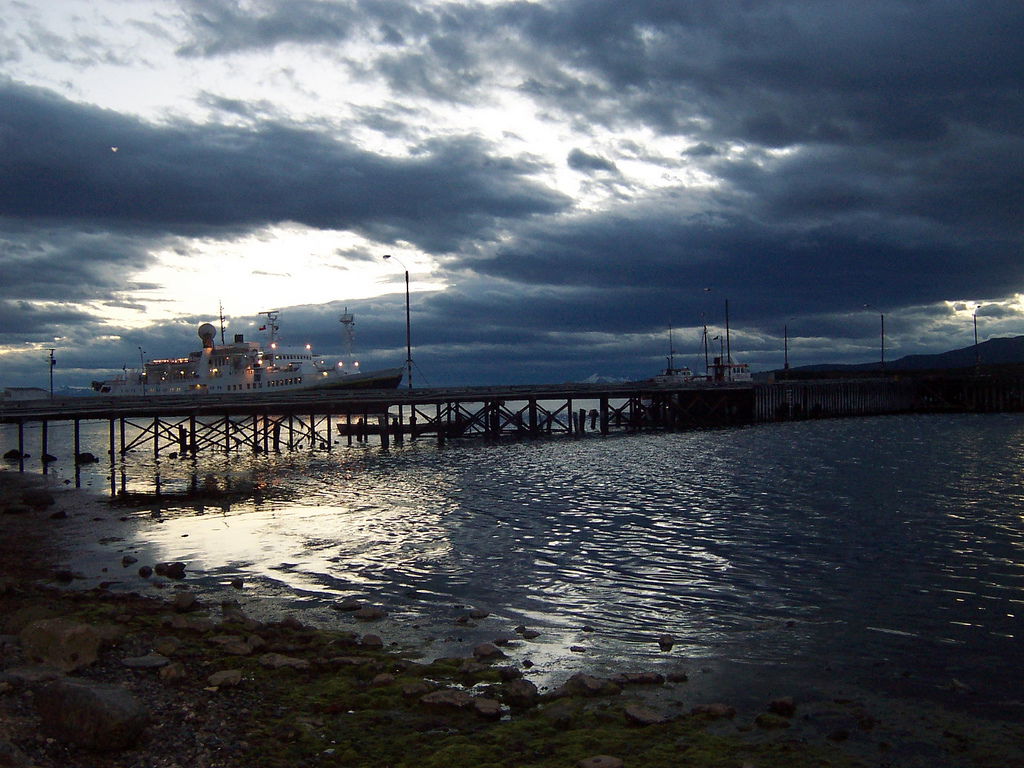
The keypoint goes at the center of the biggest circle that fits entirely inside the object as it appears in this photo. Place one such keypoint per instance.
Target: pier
(325, 419)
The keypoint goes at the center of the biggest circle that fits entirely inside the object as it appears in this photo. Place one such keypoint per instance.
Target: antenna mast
(348, 322)
(271, 323)
(220, 311)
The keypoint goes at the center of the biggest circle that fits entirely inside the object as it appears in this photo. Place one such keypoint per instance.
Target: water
(885, 554)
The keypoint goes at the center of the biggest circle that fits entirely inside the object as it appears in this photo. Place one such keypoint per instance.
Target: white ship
(246, 367)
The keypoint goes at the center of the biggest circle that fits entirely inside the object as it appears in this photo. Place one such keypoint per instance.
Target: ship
(246, 367)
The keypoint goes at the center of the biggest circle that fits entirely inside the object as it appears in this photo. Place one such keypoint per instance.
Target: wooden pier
(324, 419)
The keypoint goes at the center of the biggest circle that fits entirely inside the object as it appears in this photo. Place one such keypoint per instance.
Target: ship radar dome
(206, 333)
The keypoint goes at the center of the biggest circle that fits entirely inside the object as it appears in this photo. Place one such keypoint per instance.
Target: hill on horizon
(999, 351)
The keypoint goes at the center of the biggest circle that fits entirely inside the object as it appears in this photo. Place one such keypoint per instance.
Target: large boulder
(93, 715)
(62, 643)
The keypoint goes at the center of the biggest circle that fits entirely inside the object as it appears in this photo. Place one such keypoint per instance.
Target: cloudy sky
(563, 180)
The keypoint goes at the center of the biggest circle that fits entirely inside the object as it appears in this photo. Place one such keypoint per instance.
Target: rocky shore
(93, 677)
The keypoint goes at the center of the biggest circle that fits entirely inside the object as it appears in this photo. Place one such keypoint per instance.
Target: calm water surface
(883, 552)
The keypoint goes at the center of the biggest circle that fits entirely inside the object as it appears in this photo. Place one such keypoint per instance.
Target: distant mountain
(1007, 351)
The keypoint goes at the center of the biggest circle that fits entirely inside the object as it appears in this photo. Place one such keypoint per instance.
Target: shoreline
(599, 716)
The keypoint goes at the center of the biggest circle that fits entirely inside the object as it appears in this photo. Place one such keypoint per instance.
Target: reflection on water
(852, 543)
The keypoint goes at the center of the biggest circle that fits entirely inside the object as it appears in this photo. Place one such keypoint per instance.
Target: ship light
(356, 363)
(274, 345)
(324, 373)
(341, 364)
(309, 346)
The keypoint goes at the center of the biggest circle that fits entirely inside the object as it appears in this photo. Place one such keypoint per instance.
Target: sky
(562, 180)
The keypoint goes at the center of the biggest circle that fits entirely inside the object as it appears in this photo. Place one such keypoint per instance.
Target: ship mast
(220, 312)
(348, 322)
(271, 324)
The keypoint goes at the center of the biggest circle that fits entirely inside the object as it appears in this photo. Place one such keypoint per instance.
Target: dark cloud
(58, 163)
(579, 160)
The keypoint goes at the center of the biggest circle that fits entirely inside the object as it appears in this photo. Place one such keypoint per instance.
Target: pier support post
(604, 415)
(21, 446)
(156, 437)
(383, 428)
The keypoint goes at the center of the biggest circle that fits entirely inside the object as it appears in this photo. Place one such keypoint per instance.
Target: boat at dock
(246, 367)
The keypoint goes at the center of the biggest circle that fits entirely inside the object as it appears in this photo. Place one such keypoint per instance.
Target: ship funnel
(206, 333)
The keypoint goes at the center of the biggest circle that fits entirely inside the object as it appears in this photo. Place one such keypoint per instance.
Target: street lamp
(977, 351)
(408, 326)
(142, 369)
(52, 363)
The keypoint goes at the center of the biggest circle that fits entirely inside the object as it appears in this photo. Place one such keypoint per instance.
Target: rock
(62, 643)
(561, 713)
(226, 678)
(784, 706)
(85, 458)
(167, 646)
(372, 641)
(236, 583)
(489, 709)
(370, 613)
(149, 661)
(184, 602)
(416, 688)
(530, 634)
(14, 455)
(145, 571)
(128, 560)
(170, 570)
(582, 684)
(639, 678)
(600, 761)
(348, 604)
(233, 644)
(93, 715)
(678, 677)
(638, 715)
(278, 661)
(60, 514)
(769, 721)
(509, 673)
(519, 693)
(577, 649)
(666, 642)
(173, 672)
(478, 613)
(488, 651)
(447, 698)
(381, 680)
(715, 710)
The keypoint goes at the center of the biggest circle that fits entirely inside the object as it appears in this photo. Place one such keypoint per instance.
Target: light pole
(977, 352)
(142, 369)
(408, 325)
(52, 363)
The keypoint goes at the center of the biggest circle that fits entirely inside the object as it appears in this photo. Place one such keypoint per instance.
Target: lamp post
(142, 369)
(52, 363)
(408, 325)
(977, 352)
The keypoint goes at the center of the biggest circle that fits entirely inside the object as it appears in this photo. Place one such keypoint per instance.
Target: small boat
(246, 367)
(672, 374)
